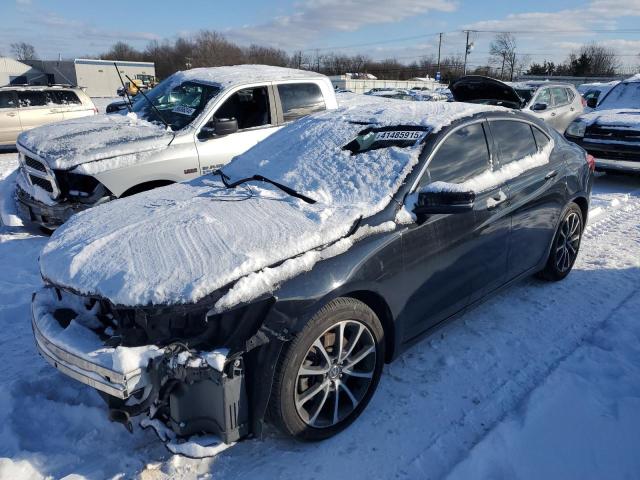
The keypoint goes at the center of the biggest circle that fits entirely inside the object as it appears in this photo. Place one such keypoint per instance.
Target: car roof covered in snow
(230, 76)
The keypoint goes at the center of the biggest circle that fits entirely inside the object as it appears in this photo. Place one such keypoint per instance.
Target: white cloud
(312, 18)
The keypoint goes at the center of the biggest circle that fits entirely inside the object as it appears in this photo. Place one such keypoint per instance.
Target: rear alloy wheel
(566, 244)
(330, 371)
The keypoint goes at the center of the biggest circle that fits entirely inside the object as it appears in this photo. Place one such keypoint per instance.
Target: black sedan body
(454, 249)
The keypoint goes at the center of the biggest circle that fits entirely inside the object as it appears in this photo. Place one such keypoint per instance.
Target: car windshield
(623, 95)
(178, 104)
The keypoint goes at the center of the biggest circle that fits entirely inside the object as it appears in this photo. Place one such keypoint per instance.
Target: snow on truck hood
(179, 243)
(67, 144)
(623, 118)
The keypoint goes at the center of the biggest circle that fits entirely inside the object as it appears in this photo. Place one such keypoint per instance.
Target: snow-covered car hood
(67, 144)
(625, 118)
(180, 243)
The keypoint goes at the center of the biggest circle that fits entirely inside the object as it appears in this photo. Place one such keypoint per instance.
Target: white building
(360, 85)
(98, 77)
(13, 72)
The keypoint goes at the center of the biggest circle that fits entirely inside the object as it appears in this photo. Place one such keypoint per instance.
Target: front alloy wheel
(329, 372)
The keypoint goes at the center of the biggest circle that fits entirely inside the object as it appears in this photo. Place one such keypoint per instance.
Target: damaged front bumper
(190, 391)
(47, 216)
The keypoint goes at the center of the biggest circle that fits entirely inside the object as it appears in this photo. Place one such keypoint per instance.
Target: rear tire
(565, 246)
(322, 383)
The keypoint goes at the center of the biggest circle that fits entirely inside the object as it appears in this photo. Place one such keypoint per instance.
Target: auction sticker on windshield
(400, 135)
(184, 110)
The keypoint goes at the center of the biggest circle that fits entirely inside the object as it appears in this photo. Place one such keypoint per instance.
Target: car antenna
(126, 93)
(151, 103)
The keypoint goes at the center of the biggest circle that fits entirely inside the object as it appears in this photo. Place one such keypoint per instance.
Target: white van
(190, 124)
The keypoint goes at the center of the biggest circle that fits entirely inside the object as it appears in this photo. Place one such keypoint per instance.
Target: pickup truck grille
(42, 183)
(35, 164)
(597, 132)
(38, 173)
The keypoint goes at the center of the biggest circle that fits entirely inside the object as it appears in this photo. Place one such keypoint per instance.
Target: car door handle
(11, 114)
(553, 114)
(496, 200)
(551, 174)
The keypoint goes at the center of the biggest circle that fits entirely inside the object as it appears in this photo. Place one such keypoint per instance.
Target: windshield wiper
(150, 103)
(260, 178)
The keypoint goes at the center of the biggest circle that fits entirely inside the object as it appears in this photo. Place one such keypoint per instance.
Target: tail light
(584, 102)
(591, 161)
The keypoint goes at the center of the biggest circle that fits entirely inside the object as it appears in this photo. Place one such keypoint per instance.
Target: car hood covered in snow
(624, 118)
(180, 243)
(67, 144)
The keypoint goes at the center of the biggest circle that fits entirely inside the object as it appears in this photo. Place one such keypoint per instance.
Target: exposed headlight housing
(576, 129)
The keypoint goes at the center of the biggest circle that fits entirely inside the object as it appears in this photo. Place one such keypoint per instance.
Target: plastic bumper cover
(48, 216)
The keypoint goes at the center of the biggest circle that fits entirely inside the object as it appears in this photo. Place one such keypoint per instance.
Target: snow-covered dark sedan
(278, 287)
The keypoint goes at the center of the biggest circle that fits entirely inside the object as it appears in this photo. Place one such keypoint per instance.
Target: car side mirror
(218, 128)
(444, 201)
(538, 107)
(592, 102)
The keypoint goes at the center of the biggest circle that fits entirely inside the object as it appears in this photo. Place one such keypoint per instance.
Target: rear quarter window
(300, 99)
(515, 140)
(62, 97)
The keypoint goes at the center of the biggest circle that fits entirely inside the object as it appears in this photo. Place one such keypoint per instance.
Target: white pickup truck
(200, 119)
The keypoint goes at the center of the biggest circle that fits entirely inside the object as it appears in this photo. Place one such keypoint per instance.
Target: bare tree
(593, 59)
(122, 51)
(503, 51)
(23, 51)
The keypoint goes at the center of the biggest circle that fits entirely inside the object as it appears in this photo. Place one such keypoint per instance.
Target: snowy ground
(542, 381)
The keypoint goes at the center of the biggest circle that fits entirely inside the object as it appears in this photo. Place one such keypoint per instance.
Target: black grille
(596, 132)
(615, 155)
(35, 164)
(42, 183)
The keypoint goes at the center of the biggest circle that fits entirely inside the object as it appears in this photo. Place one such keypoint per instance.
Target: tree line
(210, 48)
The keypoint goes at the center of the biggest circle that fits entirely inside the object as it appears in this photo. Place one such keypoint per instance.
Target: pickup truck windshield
(178, 104)
(623, 95)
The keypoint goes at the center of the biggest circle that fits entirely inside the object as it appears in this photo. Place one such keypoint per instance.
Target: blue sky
(75, 28)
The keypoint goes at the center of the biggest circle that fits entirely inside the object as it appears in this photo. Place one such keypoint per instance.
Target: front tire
(566, 244)
(329, 372)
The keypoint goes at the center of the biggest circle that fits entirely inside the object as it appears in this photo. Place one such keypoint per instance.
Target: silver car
(25, 107)
(558, 104)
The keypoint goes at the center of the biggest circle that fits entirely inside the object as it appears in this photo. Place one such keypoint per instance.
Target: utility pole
(466, 53)
(439, 49)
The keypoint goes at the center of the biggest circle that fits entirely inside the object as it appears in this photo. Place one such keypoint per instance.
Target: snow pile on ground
(218, 235)
(69, 143)
(8, 175)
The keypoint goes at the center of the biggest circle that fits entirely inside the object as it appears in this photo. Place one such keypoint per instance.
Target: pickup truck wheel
(566, 244)
(328, 374)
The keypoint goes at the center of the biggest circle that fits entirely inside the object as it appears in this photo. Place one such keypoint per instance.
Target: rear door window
(300, 99)
(62, 97)
(463, 155)
(541, 139)
(514, 139)
(8, 100)
(31, 99)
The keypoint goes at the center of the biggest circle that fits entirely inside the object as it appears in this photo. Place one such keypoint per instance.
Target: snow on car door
(253, 109)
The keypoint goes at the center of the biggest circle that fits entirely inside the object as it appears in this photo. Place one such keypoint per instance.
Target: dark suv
(611, 133)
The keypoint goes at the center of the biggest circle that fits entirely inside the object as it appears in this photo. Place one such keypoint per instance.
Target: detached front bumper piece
(48, 216)
(182, 388)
